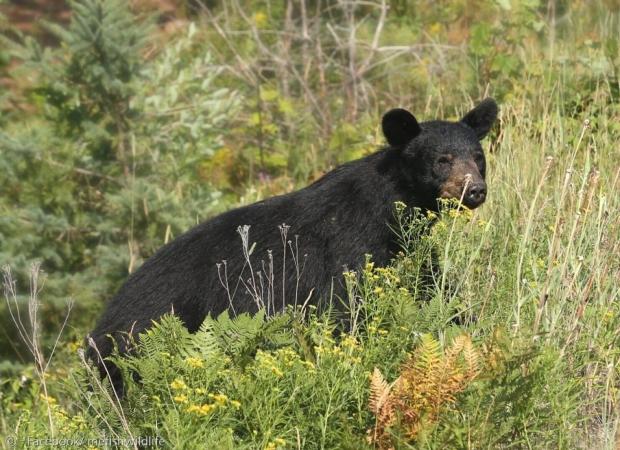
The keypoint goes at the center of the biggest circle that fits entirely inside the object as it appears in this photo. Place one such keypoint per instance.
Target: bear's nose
(476, 194)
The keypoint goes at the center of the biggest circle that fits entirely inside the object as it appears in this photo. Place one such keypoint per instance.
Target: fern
(204, 343)
(238, 336)
(167, 335)
(242, 336)
(429, 381)
(381, 404)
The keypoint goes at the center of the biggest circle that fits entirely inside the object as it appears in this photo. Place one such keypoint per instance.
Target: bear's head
(440, 159)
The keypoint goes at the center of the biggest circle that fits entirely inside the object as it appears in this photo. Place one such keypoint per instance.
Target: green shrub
(111, 167)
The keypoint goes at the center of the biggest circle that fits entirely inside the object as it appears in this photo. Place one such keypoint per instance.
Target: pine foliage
(109, 164)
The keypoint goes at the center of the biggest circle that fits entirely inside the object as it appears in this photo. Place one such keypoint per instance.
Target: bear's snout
(476, 194)
(466, 183)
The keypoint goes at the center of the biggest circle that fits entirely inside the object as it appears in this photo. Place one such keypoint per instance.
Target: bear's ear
(399, 127)
(482, 117)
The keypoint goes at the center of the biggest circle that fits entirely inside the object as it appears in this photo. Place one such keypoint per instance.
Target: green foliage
(494, 45)
(111, 168)
(89, 91)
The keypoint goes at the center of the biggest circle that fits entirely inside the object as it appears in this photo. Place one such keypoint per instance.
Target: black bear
(298, 244)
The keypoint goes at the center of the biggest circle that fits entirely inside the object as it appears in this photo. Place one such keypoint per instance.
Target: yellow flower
(236, 403)
(178, 384)
(220, 399)
(260, 19)
(435, 28)
(180, 398)
(277, 443)
(350, 341)
(277, 372)
(74, 346)
(308, 364)
(349, 275)
(200, 391)
(78, 419)
(202, 410)
(195, 363)
(207, 408)
(48, 399)
(400, 206)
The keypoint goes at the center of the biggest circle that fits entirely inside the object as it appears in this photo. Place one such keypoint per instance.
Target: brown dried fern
(381, 404)
(430, 379)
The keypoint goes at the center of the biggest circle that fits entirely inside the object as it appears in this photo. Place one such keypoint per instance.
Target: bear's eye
(479, 159)
(444, 162)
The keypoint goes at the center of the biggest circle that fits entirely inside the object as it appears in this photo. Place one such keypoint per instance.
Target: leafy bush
(111, 168)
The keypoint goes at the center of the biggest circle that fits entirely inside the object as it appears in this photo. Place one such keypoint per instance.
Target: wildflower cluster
(195, 399)
(218, 401)
(67, 424)
(348, 350)
(267, 361)
(276, 444)
(374, 328)
(380, 281)
(194, 363)
(282, 361)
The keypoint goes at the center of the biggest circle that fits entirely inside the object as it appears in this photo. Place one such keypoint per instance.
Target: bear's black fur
(334, 223)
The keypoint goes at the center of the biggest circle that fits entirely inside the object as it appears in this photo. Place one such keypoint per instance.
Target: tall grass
(531, 277)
